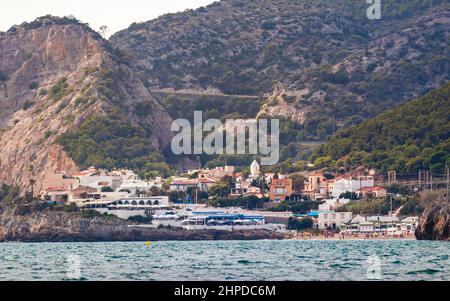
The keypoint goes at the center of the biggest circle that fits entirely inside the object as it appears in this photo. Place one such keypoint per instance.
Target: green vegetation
(27, 104)
(90, 214)
(411, 137)
(222, 188)
(107, 189)
(48, 134)
(250, 202)
(49, 19)
(300, 224)
(297, 207)
(60, 89)
(376, 207)
(113, 142)
(140, 219)
(33, 85)
(8, 194)
(212, 106)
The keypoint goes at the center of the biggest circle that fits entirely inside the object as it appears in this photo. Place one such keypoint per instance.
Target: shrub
(300, 224)
(90, 214)
(48, 134)
(27, 104)
(33, 85)
(107, 189)
(140, 219)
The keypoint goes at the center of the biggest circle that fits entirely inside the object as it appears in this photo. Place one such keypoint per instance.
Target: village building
(134, 186)
(56, 194)
(98, 182)
(316, 186)
(339, 186)
(216, 173)
(372, 192)
(380, 225)
(184, 184)
(241, 190)
(280, 189)
(86, 173)
(333, 204)
(61, 181)
(83, 193)
(127, 207)
(330, 220)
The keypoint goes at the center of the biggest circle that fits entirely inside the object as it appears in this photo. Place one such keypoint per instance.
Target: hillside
(411, 137)
(332, 63)
(63, 91)
(70, 99)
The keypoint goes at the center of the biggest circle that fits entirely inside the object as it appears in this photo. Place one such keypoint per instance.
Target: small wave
(424, 271)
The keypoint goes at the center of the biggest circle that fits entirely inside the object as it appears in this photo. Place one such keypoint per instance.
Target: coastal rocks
(434, 223)
(59, 226)
(2, 234)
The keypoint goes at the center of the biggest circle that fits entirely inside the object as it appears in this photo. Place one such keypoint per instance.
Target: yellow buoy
(148, 244)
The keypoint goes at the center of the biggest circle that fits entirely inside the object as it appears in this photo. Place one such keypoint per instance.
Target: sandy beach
(307, 236)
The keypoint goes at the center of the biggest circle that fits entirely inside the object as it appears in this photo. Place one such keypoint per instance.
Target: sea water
(227, 260)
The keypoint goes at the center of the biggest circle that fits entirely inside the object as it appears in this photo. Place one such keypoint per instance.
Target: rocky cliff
(58, 226)
(434, 223)
(55, 74)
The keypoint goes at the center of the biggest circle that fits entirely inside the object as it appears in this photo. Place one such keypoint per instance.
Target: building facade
(280, 189)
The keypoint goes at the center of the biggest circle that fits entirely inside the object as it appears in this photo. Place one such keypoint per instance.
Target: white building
(125, 208)
(184, 184)
(386, 225)
(333, 204)
(98, 182)
(337, 187)
(333, 220)
(137, 185)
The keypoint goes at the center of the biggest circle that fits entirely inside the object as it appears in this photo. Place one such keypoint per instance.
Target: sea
(286, 260)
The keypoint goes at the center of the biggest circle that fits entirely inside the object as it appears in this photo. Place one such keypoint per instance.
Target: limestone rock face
(53, 74)
(434, 223)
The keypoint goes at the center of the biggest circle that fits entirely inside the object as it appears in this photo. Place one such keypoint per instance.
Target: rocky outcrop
(434, 223)
(58, 226)
(56, 73)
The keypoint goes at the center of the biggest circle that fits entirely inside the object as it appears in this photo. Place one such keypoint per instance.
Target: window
(280, 191)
